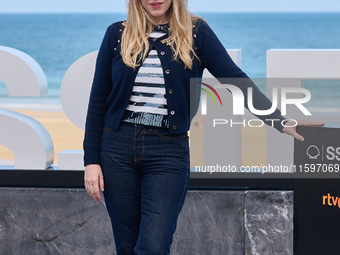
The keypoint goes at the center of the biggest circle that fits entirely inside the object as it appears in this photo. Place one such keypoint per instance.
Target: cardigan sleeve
(215, 58)
(97, 108)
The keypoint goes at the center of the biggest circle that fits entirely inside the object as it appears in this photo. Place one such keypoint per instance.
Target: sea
(55, 41)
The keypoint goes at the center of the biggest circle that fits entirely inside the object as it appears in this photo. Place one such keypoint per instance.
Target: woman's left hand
(288, 129)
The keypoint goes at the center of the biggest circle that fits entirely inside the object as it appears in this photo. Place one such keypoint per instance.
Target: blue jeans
(146, 175)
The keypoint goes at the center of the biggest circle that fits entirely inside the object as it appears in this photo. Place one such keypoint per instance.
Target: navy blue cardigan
(113, 82)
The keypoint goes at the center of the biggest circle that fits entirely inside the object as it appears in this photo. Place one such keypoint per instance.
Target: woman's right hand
(93, 179)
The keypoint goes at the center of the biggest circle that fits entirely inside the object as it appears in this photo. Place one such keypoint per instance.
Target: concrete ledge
(68, 221)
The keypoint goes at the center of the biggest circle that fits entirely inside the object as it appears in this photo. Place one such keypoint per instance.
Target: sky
(33, 6)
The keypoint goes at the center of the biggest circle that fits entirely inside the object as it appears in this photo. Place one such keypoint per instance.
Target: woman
(136, 142)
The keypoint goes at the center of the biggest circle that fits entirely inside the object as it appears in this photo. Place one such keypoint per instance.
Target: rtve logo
(331, 201)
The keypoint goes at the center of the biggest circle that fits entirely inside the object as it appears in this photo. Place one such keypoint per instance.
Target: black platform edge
(75, 179)
(42, 178)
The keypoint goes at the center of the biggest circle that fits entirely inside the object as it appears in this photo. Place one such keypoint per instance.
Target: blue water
(55, 41)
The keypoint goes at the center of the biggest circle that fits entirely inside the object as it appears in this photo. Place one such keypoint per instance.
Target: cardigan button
(154, 39)
(118, 41)
(172, 112)
(174, 127)
(167, 71)
(171, 91)
(162, 53)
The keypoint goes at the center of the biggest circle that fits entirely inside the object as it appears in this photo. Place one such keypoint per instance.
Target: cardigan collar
(162, 28)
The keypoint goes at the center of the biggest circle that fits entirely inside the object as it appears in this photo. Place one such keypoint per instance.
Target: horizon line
(240, 12)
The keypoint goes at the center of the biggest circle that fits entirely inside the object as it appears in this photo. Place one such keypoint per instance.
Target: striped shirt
(148, 105)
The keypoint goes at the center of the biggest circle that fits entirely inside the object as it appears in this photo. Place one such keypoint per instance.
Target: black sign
(317, 200)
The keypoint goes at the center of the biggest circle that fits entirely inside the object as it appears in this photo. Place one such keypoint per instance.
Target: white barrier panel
(300, 65)
(26, 138)
(227, 146)
(303, 63)
(71, 160)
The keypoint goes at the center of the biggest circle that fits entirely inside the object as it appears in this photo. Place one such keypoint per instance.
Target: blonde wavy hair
(139, 25)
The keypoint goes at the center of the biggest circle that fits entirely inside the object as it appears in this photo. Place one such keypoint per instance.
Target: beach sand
(66, 136)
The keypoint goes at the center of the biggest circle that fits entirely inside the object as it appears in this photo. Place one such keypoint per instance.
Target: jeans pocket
(164, 133)
(107, 128)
